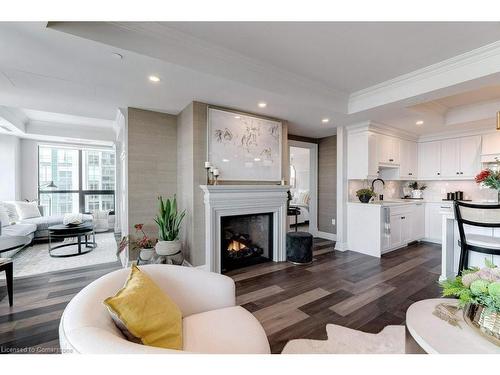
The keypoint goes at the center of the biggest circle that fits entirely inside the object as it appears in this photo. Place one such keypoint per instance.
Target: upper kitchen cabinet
(456, 158)
(373, 152)
(408, 165)
(388, 150)
(429, 160)
(470, 159)
(362, 155)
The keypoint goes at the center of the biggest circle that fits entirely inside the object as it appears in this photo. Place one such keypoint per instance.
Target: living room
(180, 187)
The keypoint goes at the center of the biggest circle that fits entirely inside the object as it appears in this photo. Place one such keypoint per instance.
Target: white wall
(10, 167)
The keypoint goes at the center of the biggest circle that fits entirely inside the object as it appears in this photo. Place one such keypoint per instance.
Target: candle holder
(215, 179)
(208, 175)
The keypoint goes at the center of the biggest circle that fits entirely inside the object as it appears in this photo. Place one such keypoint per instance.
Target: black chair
(477, 215)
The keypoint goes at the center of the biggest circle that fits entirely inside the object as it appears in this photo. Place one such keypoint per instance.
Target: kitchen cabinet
(433, 220)
(409, 155)
(429, 160)
(362, 155)
(470, 151)
(388, 149)
(450, 158)
(418, 222)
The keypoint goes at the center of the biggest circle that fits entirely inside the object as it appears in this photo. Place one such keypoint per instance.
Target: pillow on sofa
(10, 207)
(4, 217)
(145, 314)
(27, 210)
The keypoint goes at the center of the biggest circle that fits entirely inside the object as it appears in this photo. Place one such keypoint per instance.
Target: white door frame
(313, 181)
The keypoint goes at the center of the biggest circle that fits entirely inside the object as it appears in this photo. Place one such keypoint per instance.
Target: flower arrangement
(476, 286)
(489, 178)
(144, 242)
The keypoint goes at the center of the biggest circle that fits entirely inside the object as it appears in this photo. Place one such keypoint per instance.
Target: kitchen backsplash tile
(436, 190)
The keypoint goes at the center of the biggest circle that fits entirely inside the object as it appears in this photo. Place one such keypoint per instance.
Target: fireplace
(246, 240)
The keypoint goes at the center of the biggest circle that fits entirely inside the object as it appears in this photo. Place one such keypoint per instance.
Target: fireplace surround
(231, 200)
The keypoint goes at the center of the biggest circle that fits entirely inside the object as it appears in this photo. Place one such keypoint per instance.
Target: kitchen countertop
(403, 202)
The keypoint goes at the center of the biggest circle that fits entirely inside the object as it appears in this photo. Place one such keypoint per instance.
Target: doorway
(303, 185)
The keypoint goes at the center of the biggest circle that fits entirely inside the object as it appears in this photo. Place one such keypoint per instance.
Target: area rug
(36, 259)
(342, 340)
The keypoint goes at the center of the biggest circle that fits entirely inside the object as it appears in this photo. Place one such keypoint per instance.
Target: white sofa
(212, 323)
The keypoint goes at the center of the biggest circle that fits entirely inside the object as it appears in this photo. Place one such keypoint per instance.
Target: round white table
(436, 336)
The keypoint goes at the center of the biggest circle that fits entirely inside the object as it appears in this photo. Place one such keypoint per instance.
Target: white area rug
(36, 259)
(342, 340)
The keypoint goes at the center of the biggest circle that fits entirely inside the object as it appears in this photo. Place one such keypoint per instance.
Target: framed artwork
(244, 147)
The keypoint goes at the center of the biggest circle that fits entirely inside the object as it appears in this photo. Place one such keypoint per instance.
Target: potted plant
(491, 179)
(144, 244)
(417, 190)
(365, 195)
(478, 291)
(169, 224)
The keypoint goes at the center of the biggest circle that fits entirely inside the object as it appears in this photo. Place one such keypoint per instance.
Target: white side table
(436, 336)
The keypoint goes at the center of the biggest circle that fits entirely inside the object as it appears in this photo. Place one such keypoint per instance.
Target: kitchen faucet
(381, 196)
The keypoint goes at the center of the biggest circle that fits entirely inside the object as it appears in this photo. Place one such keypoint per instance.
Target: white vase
(146, 254)
(416, 194)
(168, 247)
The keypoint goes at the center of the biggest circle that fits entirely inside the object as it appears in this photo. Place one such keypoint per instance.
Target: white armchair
(212, 323)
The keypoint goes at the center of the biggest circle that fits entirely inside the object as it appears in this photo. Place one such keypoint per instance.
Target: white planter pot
(146, 254)
(417, 194)
(168, 247)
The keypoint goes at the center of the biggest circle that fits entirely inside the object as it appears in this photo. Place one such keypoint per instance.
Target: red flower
(483, 175)
(138, 226)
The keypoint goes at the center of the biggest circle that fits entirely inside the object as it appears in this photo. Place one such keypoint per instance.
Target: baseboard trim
(341, 246)
(326, 235)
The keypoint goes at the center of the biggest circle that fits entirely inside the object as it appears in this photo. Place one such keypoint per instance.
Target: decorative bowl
(484, 321)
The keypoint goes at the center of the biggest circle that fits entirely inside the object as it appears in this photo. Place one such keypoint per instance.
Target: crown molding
(379, 128)
(471, 65)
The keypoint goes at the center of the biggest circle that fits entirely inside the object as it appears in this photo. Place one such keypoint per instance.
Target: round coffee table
(82, 232)
(435, 335)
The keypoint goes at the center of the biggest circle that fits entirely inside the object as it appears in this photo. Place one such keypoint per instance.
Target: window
(75, 180)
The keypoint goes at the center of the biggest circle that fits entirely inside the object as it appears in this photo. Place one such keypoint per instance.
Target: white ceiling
(66, 73)
(349, 56)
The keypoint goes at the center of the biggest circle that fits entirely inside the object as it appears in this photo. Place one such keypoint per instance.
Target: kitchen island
(451, 250)
(378, 227)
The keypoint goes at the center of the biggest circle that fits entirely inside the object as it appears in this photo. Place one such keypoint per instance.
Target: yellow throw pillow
(148, 314)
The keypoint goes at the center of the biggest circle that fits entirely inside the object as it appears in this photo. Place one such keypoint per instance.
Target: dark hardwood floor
(345, 288)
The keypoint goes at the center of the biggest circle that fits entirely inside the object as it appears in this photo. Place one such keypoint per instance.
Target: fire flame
(236, 246)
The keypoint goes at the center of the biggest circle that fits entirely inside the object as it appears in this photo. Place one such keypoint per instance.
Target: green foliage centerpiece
(478, 293)
(169, 221)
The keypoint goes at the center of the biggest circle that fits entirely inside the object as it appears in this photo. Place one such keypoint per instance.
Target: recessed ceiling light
(236, 116)
(154, 79)
(262, 104)
(256, 159)
(419, 122)
(117, 55)
(325, 120)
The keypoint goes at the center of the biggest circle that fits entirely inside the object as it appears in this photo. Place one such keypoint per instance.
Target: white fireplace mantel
(230, 200)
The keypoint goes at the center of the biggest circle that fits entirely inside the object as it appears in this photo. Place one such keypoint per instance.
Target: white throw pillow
(10, 206)
(27, 210)
(4, 216)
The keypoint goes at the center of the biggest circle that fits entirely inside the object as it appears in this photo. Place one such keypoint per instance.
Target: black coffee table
(82, 232)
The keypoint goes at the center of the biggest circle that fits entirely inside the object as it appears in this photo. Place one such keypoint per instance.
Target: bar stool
(477, 215)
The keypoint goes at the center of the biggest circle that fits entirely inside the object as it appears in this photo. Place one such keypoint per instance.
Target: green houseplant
(416, 189)
(169, 221)
(365, 195)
